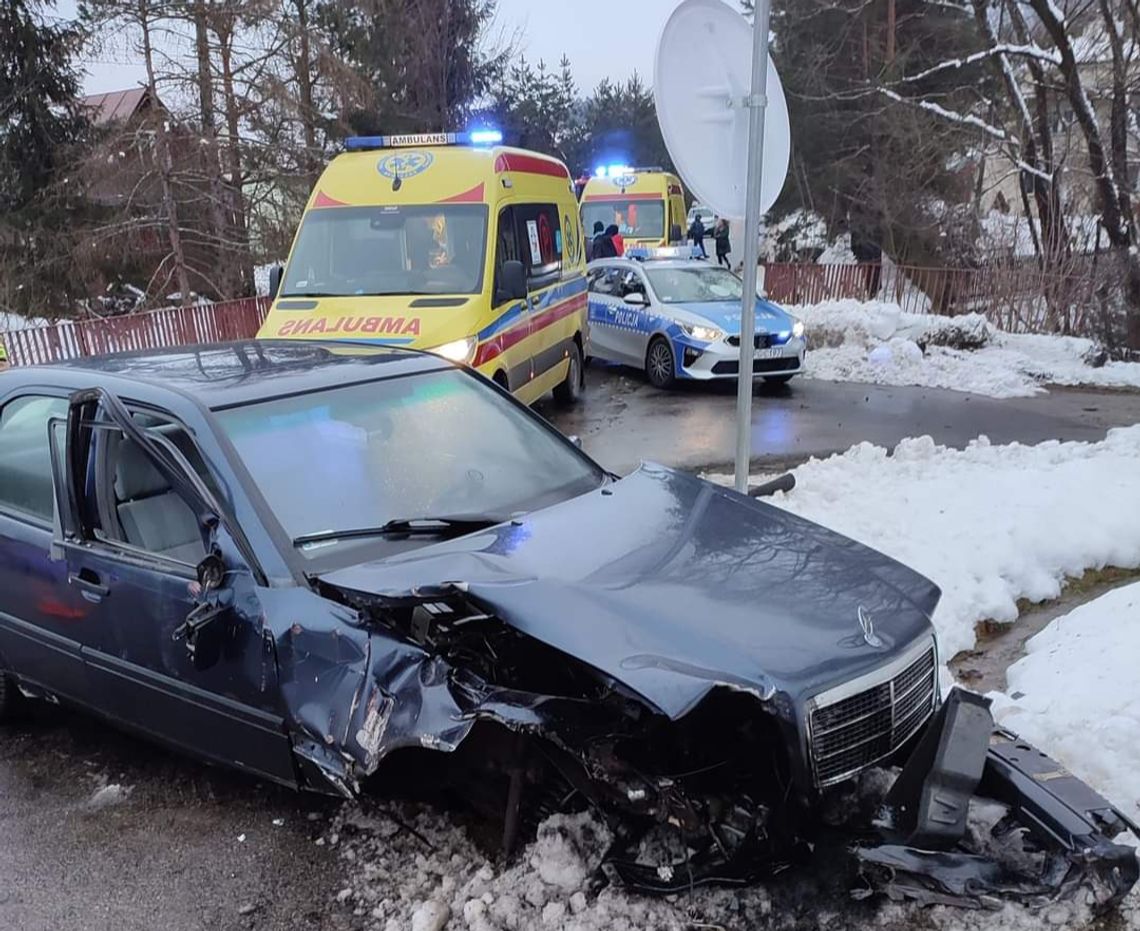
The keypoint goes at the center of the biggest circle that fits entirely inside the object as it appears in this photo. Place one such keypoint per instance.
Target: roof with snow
(116, 106)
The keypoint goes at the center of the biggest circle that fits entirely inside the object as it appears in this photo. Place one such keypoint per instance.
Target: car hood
(674, 586)
(725, 315)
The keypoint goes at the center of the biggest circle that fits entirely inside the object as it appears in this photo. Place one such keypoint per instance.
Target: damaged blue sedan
(325, 565)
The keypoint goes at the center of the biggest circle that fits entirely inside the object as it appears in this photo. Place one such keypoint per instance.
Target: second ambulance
(646, 204)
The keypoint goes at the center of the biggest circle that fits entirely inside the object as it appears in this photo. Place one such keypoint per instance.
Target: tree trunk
(233, 157)
(305, 93)
(165, 163)
(208, 117)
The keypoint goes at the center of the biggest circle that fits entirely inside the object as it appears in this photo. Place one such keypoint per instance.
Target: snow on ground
(876, 342)
(1077, 692)
(990, 524)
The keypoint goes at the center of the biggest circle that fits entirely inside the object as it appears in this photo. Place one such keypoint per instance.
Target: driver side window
(632, 283)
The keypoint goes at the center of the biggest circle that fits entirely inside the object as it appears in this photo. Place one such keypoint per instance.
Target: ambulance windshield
(347, 251)
(635, 219)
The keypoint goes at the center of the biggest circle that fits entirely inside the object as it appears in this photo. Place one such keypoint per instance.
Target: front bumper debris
(1053, 835)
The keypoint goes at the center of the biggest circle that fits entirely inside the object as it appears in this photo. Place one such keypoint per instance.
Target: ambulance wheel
(570, 391)
(9, 697)
(659, 364)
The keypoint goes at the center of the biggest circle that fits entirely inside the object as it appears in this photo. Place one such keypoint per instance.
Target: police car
(677, 317)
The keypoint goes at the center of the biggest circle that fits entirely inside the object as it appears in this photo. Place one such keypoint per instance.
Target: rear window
(25, 460)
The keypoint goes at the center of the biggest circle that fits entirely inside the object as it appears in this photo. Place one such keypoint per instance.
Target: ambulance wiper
(438, 526)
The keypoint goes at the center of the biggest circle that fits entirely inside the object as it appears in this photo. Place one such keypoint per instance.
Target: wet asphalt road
(623, 419)
(169, 855)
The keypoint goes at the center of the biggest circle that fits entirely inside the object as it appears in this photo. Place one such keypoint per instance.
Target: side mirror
(275, 275)
(512, 280)
(200, 632)
(636, 298)
(675, 233)
(575, 440)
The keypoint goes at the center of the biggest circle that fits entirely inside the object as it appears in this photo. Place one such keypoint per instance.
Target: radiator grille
(851, 733)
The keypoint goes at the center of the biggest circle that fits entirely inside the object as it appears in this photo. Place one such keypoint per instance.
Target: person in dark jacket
(615, 237)
(602, 246)
(598, 230)
(723, 246)
(697, 235)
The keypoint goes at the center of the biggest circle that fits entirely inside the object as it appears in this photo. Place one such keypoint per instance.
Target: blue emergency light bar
(405, 140)
(643, 253)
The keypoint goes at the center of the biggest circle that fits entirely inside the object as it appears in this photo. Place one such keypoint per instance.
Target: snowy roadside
(873, 341)
(990, 524)
(1077, 692)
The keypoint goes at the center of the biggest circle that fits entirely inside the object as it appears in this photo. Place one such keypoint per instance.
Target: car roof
(649, 263)
(227, 374)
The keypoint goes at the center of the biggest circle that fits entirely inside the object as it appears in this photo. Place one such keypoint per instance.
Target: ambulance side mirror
(275, 274)
(512, 280)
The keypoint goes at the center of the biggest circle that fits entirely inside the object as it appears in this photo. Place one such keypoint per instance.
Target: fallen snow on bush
(990, 524)
(874, 341)
(1077, 693)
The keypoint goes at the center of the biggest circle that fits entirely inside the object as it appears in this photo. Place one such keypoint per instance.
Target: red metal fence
(170, 326)
(1020, 298)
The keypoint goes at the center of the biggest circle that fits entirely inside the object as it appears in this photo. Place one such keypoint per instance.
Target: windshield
(635, 219)
(343, 251)
(436, 444)
(694, 285)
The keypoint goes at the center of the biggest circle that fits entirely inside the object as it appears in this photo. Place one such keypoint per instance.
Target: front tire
(570, 390)
(660, 367)
(779, 379)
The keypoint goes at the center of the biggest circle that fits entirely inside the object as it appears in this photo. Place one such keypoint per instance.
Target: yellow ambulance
(449, 242)
(646, 204)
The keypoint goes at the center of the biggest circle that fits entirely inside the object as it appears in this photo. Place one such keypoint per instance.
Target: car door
(42, 617)
(539, 233)
(512, 317)
(635, 321)
(138, 523)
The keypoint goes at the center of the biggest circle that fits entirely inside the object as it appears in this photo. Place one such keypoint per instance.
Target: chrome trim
(876, 677)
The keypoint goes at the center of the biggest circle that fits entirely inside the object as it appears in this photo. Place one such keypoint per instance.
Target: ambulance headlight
(461, 350)
(798, 329)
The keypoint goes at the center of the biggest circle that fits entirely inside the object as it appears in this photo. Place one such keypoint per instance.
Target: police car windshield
(346, 251)
(694, 284)
(437, 443)
(635, 219)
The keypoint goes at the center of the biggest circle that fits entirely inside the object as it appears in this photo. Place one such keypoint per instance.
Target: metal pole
(756, 102)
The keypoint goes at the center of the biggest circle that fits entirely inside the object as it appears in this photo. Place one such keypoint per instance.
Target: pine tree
(40, 123)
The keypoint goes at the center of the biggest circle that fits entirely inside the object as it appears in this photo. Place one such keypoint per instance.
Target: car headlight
(798, 329)
(707, 333)
(460, 350)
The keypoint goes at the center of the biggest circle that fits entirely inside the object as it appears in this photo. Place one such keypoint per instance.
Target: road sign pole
(756, 103)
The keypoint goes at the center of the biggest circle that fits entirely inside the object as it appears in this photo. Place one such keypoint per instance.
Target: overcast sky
(602, 38)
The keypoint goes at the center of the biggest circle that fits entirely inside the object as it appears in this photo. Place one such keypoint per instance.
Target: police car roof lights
(476, 137)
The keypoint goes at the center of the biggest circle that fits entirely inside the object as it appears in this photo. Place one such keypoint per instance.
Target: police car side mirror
(512, 280)
(275, 274)
(636, 297)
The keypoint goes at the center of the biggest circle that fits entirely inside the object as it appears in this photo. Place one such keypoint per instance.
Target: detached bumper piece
(978, 816)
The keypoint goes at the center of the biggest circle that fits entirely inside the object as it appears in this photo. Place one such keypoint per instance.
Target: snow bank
(990, 524)
(397, 880)
(874, 341)
(1089, 721)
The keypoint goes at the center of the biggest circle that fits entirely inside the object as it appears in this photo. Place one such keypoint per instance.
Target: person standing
(615, 237)
(602, 246)
(723, 246)
(697, 235)
(598, 231)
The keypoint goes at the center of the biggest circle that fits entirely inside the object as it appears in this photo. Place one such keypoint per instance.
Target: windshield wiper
(404, 526)
(315, 294)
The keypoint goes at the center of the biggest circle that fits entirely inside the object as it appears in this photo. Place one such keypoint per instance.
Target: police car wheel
(659, 365)
(570, 390)
(778, 379)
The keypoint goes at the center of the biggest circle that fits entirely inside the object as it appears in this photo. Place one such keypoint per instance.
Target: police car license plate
(773, 352)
